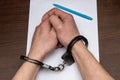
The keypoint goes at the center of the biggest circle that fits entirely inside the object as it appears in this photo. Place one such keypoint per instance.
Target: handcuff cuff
(67, 56)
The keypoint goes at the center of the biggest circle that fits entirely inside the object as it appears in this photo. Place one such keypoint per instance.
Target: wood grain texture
(13, 35)
(109, 35)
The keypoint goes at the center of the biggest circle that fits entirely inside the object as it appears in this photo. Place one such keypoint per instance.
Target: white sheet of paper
(86, 27)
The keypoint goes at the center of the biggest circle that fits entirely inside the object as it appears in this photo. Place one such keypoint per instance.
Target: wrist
(79, 45)
(31, 64)
(37, 56)
(67, 57)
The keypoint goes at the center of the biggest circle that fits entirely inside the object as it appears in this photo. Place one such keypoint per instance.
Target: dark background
(13, 35)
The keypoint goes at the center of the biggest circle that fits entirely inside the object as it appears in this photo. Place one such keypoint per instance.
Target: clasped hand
(56, 27)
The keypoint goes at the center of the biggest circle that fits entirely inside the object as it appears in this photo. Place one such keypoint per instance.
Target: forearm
(28, 71)
(88, 65)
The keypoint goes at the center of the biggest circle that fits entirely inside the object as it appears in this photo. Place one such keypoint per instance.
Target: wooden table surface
(13, 35)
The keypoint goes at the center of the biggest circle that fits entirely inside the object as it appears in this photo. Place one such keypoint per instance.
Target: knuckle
(69, 16)
(51, 17)
(38, 27)
(41, 25)
(59, 27)
(55, 9)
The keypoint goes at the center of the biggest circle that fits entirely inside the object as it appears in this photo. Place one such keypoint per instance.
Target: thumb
(56, 22)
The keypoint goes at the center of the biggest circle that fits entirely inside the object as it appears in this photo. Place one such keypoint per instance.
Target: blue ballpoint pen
(73, 12)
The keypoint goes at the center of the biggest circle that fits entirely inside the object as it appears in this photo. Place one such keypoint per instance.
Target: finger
(45, 25)
(48, 14)
(53, 31)
(57, 12)
(59, 45)
(56, 22)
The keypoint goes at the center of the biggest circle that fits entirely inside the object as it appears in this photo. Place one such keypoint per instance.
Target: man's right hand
(63, 24)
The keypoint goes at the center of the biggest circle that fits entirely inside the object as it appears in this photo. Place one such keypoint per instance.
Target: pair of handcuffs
(67, 56)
